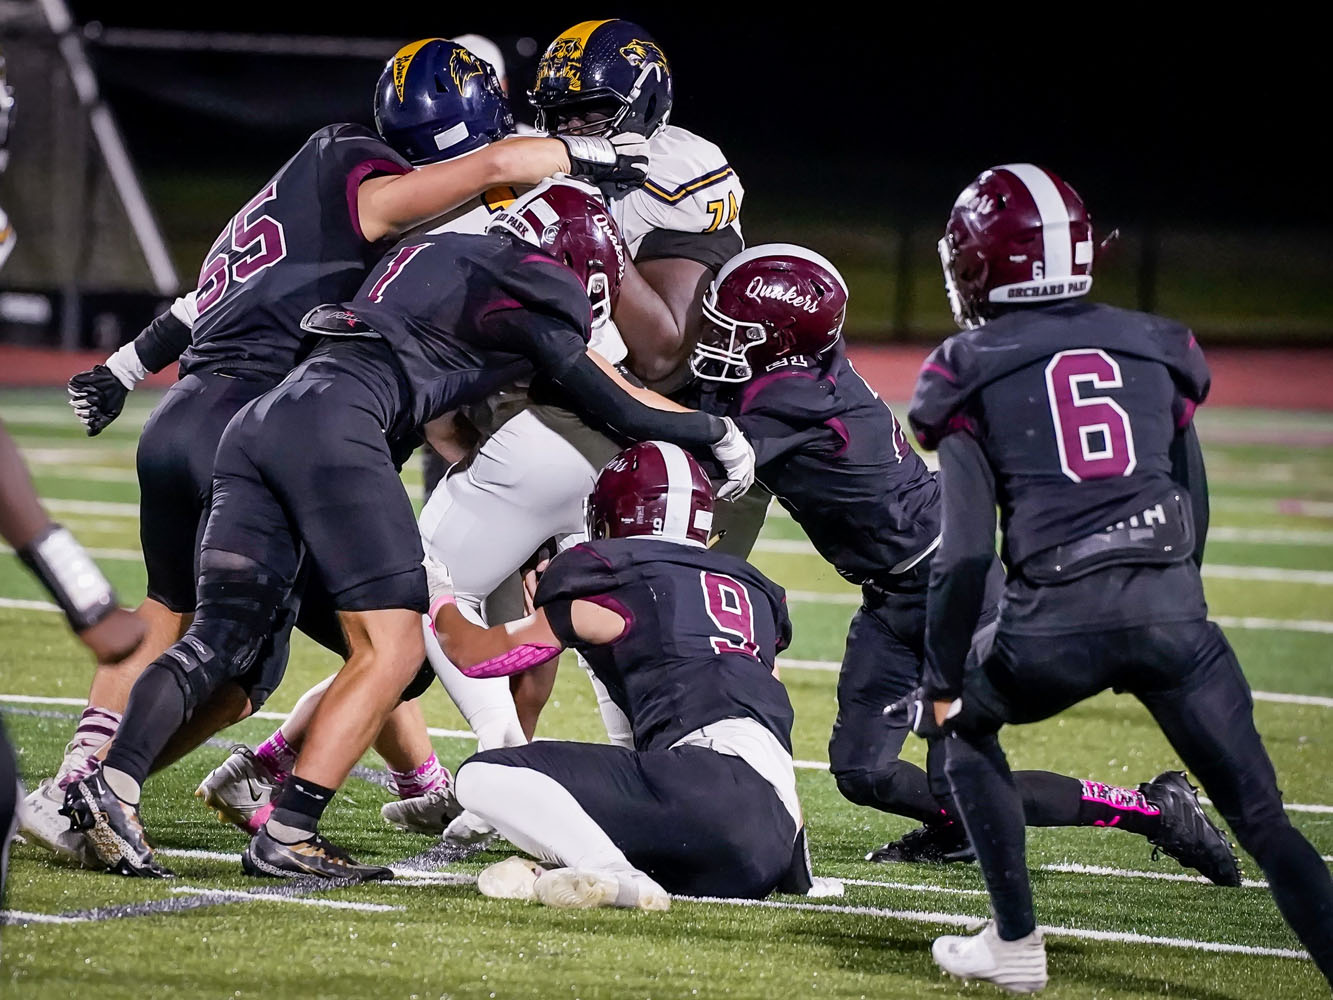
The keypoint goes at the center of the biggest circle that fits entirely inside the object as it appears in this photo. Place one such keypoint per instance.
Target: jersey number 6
(1091, 432)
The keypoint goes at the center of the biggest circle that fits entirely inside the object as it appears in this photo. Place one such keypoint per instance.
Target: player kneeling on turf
(684, 640)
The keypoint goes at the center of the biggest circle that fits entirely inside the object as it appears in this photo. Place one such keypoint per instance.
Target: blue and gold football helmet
(603, 78)
(436, 100)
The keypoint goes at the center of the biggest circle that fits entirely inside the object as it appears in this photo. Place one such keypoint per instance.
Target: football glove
(736, 454)
(98, 394)
(918, 711)
(620, 163)
(438, 582)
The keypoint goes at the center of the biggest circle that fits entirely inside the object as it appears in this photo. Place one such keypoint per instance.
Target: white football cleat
(512, 878)
(585, 888)
(240, 790)
(467, 829)
(40, 823)
(1017, 966)
(430, 813)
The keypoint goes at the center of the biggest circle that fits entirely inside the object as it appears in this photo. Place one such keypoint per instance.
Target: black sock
(1056, 800)
(992, 812)
(155, 711)
(298, 808)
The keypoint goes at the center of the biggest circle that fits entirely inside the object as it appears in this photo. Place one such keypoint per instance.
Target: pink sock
(96, 728)
(426, 778)
(276, 755)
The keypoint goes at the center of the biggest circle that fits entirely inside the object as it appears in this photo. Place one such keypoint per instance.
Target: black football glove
(619, 163)
(917, 711)
(97, 396)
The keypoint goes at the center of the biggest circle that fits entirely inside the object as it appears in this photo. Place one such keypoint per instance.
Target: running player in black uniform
(684, 640)
(306, 238)
(440, 322)
(771, 356)
(1076, 419)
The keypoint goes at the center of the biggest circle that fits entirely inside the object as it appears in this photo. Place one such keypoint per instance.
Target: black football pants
(1188, 677)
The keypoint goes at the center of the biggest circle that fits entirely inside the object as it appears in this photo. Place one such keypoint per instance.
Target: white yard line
(963, 920)
(104, 507)
(910, 887)
(1076, 869)
(24, 917)
(241, 896)
(833, 667)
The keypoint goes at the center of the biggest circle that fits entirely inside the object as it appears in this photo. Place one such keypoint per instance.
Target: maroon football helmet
(569, 220)
(1017, 234)
(767, 304)
(653, 489)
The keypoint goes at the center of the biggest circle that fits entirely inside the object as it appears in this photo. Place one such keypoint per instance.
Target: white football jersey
(691, 188)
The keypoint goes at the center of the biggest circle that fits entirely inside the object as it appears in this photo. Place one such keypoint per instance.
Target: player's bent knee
(874, 788)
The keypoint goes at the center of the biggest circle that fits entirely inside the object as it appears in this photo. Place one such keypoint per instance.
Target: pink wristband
(435, 606)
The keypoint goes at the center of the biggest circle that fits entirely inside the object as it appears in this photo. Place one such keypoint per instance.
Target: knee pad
(420, 683)
(233, 622)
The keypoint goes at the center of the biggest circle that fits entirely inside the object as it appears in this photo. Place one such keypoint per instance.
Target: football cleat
(430, 813)
(265, 857)
(41, 823)
(113, 828)
(932, 844)
(240, 790)
(1017, 966)
(585, 888)
(512, 878)
(468, 829)
(1186, 832)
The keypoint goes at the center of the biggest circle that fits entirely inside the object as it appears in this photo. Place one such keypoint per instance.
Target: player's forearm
(22, 518)
(165, 339)
(656, 314)
(645, 396)
(390, 205)
(497, 651)
(961, 564)
(592, 392)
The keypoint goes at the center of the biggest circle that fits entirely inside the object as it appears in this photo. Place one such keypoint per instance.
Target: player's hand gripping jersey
(249, 312)
(701, 633)
(1076, 406)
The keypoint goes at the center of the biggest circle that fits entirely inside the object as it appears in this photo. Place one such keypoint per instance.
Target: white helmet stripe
(1054, 217)
(776, 250)
(680, 485)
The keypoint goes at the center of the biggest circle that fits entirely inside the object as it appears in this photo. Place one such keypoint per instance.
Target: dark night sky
(1150, 122)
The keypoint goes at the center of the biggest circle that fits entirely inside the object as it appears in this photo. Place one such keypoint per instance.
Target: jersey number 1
(728, 604)
(1092, 433)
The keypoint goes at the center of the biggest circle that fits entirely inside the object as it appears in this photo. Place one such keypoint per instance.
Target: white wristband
(127, 367)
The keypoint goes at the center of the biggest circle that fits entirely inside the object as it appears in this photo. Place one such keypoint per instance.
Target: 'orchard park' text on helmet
(1017, 235)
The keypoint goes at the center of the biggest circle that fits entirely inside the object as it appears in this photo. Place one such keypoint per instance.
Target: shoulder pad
(946, 380)
(691, 188)
(578, 572)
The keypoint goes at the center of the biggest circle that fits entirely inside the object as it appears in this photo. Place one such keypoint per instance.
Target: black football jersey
(467, 315)
(1075, 405)
(295, 245)
(833, 454)
(702, 630)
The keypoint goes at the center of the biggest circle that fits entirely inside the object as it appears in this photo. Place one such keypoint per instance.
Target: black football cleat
(1186, 833)
(932, 844)
(113, 828)
(265, 857)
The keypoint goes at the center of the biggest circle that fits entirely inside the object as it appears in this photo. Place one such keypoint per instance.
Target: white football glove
(735, 453)
(438, 581)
